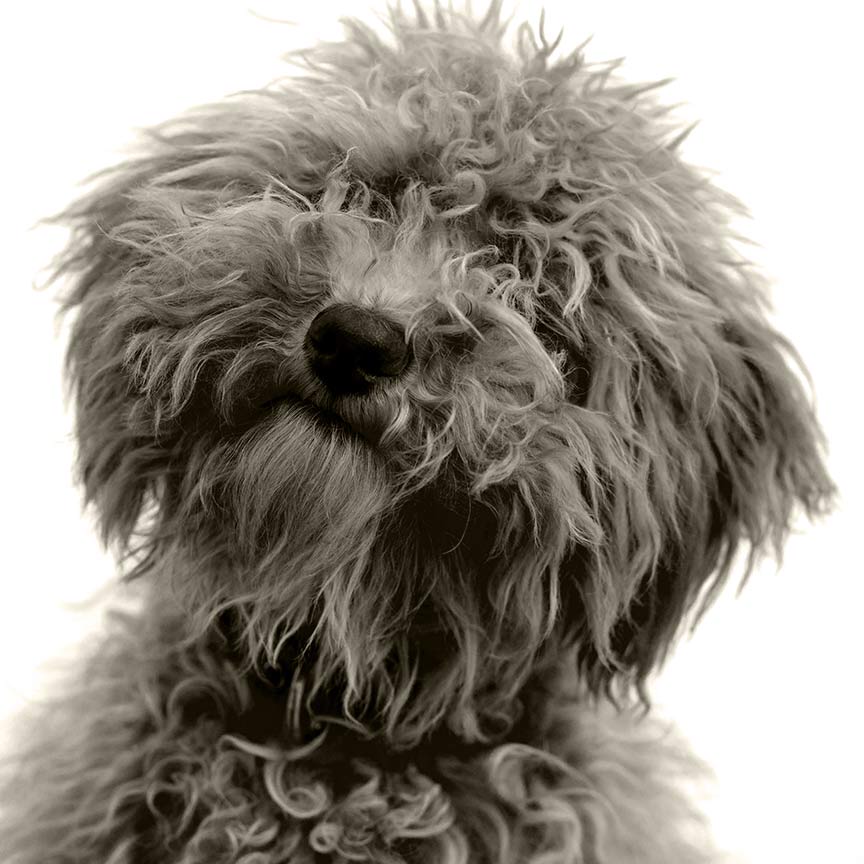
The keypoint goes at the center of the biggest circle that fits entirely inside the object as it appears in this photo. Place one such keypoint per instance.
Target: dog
(426, 398)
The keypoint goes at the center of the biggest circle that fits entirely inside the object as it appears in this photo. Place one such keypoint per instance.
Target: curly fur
(190, 760)
(406, 626)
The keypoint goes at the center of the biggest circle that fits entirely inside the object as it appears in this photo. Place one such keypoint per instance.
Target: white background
(769, 688)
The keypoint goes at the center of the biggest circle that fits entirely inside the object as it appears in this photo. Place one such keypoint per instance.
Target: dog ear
(129, 216)
(716, 440)
(118, 460)
(138, 214)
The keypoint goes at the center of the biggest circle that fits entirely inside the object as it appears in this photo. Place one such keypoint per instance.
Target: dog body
(425, 394)
(168, 752)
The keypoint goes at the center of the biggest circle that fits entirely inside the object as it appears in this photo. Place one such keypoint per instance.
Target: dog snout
(350, 348)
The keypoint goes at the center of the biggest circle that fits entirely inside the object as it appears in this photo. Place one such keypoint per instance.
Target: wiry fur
(404, 626)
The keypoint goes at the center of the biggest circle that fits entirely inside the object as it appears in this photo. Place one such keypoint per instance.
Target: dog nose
(349, 347)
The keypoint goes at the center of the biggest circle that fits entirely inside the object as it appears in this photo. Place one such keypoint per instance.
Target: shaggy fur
(406, 622)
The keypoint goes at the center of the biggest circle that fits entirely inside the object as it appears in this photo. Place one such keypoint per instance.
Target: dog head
(438, 359)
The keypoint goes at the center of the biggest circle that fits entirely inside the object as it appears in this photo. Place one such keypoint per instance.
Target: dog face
(438, 360)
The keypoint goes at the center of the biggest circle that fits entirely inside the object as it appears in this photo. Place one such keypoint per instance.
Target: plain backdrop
(768, 690)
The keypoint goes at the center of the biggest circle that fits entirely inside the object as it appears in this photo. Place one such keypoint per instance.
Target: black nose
(350, 347)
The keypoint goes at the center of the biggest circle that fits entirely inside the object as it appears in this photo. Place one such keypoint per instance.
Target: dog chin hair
(425, 398)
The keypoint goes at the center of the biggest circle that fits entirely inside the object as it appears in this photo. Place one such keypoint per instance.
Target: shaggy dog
(425, 394)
